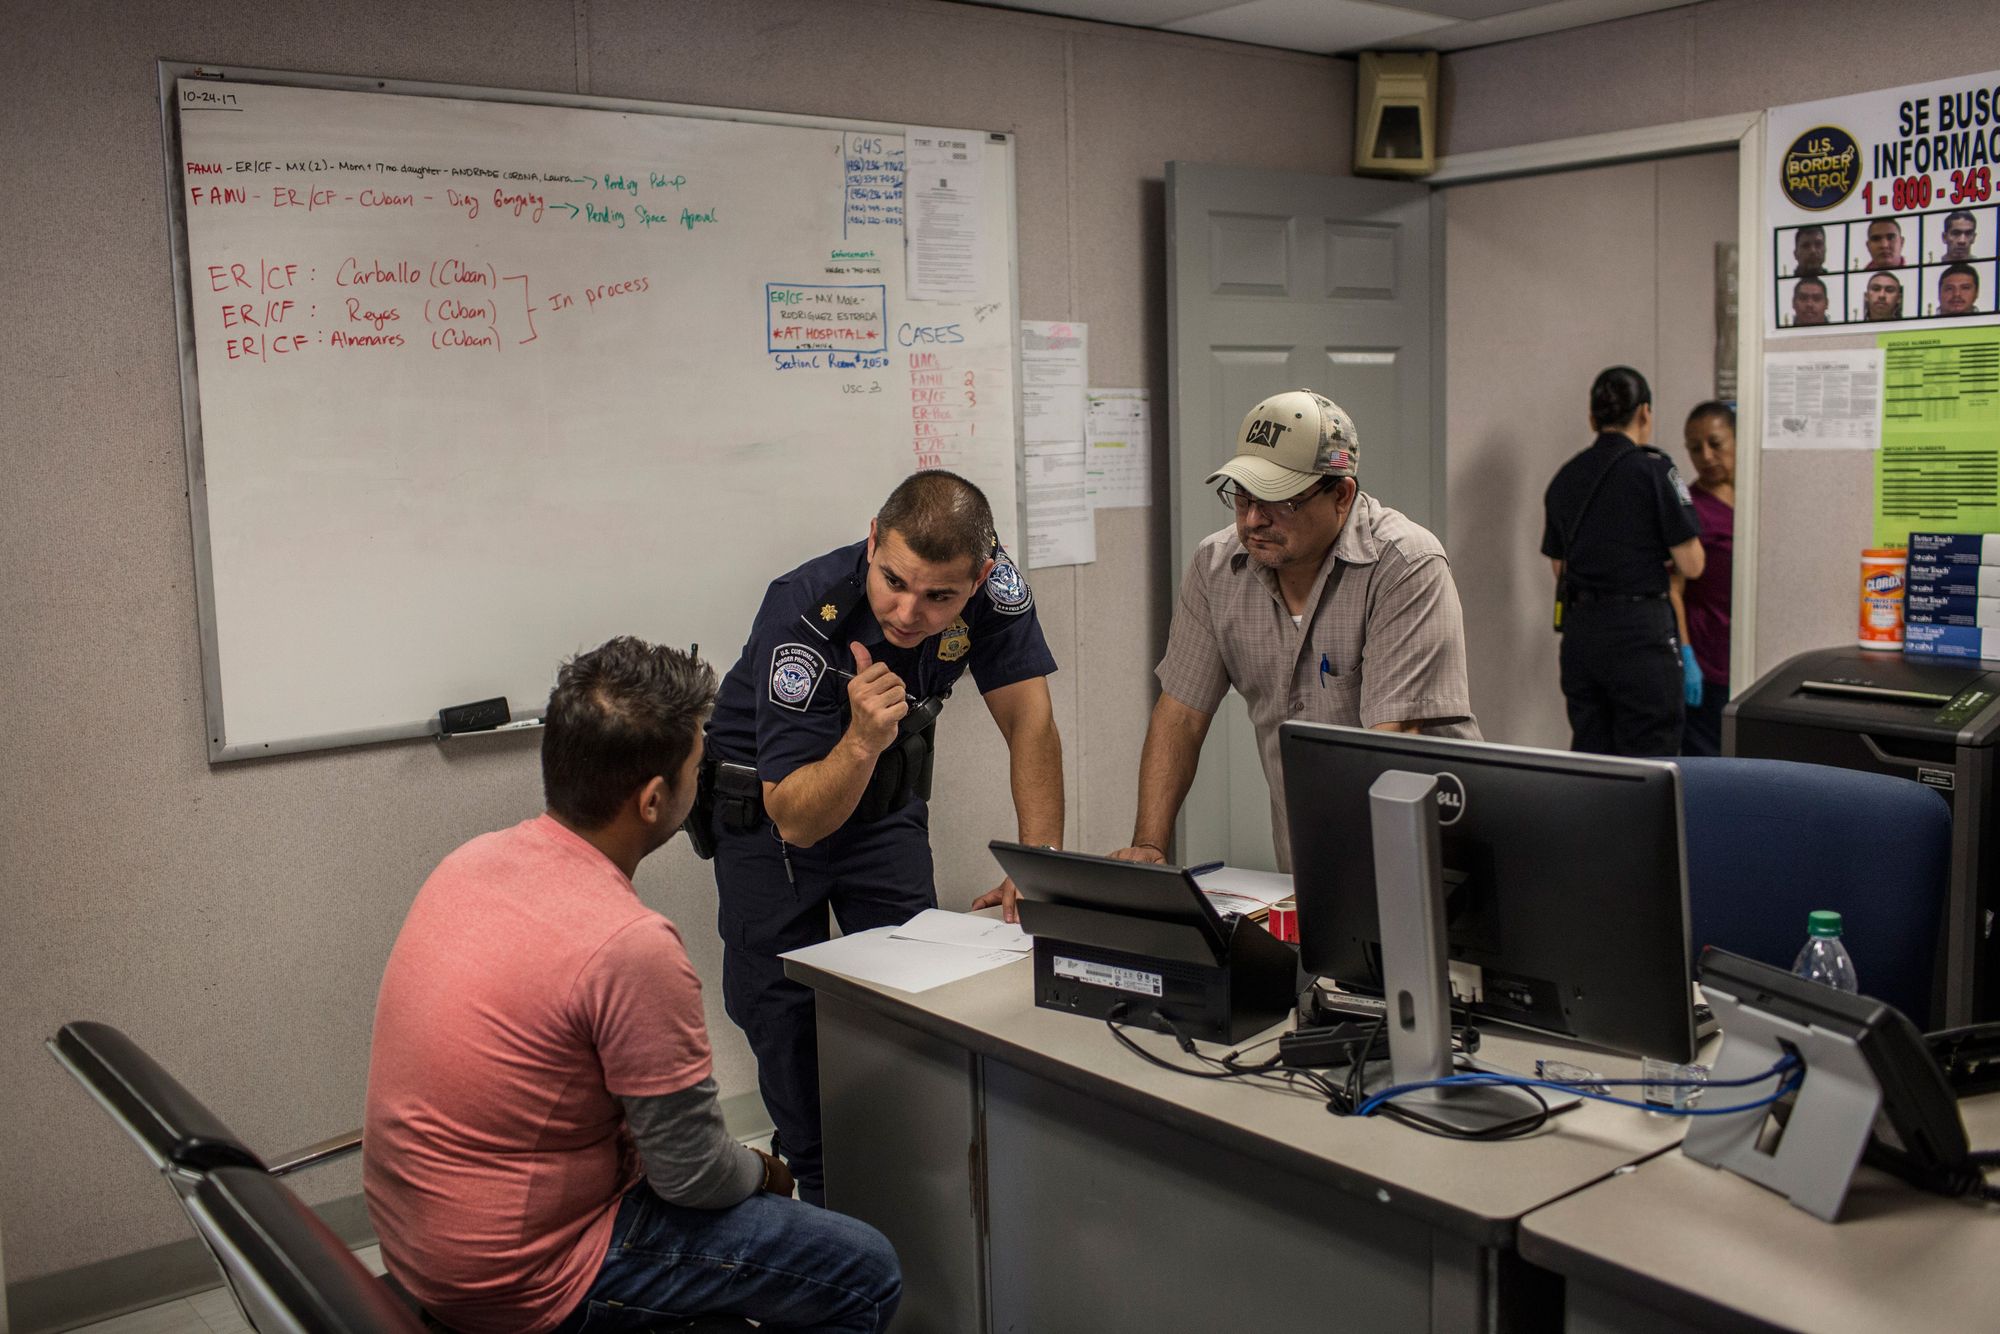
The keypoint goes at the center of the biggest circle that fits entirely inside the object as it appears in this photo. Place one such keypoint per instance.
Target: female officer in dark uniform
(1619, 517)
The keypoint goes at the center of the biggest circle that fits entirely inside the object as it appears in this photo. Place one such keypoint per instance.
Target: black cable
(1510, 1130)
(1224, 1067)
(1340, 1098)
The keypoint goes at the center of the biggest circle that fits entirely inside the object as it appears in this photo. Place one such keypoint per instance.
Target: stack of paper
(929, 950)
(1240, 893)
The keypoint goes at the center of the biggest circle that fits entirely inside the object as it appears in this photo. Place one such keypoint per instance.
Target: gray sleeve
(689, 1157)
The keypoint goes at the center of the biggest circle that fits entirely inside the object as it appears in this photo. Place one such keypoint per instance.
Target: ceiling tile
(1467, 9)
(1315, 26)
(1327, 27)
(1134, 13)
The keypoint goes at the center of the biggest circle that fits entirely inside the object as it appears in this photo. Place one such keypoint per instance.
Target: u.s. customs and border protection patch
(795, 673)
(957, 641)
(1006, 589)
(1679, 485)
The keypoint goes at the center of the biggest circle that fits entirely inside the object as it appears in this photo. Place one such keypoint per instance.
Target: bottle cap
(1823, 923)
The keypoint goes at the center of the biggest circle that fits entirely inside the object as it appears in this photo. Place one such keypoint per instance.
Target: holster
(725, 794)
(904, 769)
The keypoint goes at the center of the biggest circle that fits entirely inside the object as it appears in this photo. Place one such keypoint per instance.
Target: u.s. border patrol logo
(1006, 589)
(1821, 168)
(795, 671)
(957, 641)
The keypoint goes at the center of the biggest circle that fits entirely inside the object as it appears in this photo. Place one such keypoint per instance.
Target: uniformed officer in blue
(1619, 524)
(821, 745)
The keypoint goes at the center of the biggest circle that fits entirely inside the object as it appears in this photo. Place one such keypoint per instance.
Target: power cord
(1230, 1065)
(1785, 1066)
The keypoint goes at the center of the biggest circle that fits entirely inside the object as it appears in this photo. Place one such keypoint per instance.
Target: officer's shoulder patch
(1680, 486)
(1006, 589)
(795, 673)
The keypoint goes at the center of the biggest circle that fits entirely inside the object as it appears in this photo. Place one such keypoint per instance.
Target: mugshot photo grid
(1937, 264)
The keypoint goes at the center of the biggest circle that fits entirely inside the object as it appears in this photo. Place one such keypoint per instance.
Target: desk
(1676, 1245)
(1033, 1175)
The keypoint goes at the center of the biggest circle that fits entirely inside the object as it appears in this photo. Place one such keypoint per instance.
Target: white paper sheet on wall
(1823, 400)
(1117, 459)
(943, 185)
(1054, 371)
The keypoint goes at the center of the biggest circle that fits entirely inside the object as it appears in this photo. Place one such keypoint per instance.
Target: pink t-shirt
(528, 987)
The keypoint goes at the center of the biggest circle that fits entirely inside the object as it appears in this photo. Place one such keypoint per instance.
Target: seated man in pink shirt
(543, 1144)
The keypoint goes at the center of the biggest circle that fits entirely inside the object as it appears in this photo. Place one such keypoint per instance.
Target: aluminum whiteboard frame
(171, 71)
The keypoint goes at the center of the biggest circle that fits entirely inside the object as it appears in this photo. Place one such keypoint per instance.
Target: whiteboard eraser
(481, 716)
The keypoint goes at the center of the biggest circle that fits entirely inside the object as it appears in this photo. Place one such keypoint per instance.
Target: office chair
(286, 1269)
(1768, 841)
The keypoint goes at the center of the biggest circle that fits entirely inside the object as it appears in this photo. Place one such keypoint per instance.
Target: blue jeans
(786, 1265)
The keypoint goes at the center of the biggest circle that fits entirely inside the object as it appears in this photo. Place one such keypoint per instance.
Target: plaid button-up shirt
(1381, 639)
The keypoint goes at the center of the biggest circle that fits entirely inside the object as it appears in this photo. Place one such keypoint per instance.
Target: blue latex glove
(1690, 677)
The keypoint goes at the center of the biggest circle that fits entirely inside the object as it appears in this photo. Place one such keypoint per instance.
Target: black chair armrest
(172, 1125)
(287, 1268)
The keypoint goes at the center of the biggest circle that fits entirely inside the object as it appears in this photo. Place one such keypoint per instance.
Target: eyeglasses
(1240, 500)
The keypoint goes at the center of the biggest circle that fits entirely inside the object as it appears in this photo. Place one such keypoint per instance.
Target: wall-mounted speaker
(1395, 114)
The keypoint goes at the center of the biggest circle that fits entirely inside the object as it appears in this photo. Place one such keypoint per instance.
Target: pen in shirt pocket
(1325, 670)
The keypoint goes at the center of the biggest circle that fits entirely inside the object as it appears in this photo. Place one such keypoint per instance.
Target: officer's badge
(1006, 589)
(957, 641)
(828, 611)
(795, 672)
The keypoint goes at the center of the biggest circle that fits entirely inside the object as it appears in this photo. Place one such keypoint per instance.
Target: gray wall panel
(1702, 60)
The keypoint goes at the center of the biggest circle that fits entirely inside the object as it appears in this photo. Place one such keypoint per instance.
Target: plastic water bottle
(1825, 959)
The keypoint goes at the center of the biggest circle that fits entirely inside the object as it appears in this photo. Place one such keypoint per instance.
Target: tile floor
(211, 1312)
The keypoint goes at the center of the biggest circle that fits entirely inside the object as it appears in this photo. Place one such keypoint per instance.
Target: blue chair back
(1769, 841)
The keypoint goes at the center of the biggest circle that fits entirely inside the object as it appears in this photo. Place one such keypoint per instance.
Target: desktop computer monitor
(1565, 879)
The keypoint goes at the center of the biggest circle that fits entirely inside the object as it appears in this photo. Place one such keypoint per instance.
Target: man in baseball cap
(1318, 603)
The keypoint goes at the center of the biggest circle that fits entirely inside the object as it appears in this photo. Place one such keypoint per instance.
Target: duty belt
(731, 795)
(1579, 596)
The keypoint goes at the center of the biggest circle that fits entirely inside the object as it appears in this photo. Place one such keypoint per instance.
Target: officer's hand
(777, 1177)
(876, 702)
(1141, 853)
(1690, 677)
(1006, 896)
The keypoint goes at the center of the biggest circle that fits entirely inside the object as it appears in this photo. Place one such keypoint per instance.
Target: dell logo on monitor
(1451, 799)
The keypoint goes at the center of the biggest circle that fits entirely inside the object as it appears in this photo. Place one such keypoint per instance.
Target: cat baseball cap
(1288, 442)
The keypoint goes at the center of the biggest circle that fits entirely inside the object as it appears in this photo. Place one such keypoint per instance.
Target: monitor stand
(1410, 911)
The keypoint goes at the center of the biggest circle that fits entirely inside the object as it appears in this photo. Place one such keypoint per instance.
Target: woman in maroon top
(1710, 436)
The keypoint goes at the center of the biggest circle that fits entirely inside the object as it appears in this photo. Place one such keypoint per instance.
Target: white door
(1276, 281)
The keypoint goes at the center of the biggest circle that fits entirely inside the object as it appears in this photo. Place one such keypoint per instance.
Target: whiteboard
(474, 379)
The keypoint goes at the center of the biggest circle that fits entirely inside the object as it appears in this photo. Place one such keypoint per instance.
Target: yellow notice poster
(1938, 470)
